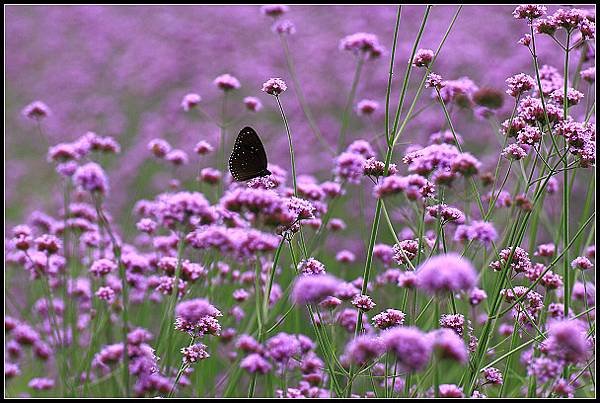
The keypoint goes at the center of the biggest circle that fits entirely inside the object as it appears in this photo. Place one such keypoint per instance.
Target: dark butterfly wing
(248, 159)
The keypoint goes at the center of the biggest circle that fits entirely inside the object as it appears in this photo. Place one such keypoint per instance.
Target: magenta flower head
(423, 58)
(37, 110)
(363, 302)
(389, 318)
(589, 74)
(367, 107)
(411, 346)
(582, 262)
(274, 10)
(434, 81)
(518, 84)
(159, 147)
(446, 273)
(567, 341)
(252, 104)
(274, 86)
(203, 147)
(364, 349)
(493, 376)
(311, 267)
(285, 27)
(194, 353)
(362, 43)
(256, 364)
(449, 345)
(41, 383)
(227, 82)
(529, 11)
(197, 316)
(91, 178)
(189, 101)
(313, 289)
(282, 347)
(514, 152)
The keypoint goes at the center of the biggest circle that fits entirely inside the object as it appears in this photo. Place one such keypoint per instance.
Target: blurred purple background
(122, 71)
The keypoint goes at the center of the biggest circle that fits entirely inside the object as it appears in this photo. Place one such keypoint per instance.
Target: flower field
(421, 222)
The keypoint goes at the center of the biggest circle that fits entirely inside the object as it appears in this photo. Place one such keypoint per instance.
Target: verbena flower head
(364, 349)
(451, 390)
(274, 86)
(227, 82)
(253, 104)
(362, 43)
(493, 376)
(514, 152)
(91, 178)
(567, 340)
(434, 81)
(283, 347)
(367, 107)
(256, 364)
(159, 147)
(446, 273)
(313, 289)
(37, 110)
(197, 316)
(423, 58)
(285, 27)
(573, 96)
(449, 345)
(311, 267)
(529, 11)
(363, 302)
(189, 101)
(203, 148)
(589, 74)
(480, 231)
(389, 318)
(582, 263)
(274, 10)
(194, 353)
(410, 345)
(519, 84)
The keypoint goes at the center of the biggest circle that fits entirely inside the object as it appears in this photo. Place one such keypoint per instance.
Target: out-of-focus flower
(253, 104)
(227, 82)
(411, 347)
(366, 107)
(189, 101)
(446, 273)
(91, 178)
(362, 43)
(37, 110)
(313, 289)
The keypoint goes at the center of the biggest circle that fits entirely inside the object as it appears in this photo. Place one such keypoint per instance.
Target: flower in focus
(274, 86)
(423, 58)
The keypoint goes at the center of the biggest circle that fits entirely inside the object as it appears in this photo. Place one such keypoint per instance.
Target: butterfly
(248, 159)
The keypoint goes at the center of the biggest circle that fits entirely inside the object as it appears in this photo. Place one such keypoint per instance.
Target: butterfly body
(248, 159)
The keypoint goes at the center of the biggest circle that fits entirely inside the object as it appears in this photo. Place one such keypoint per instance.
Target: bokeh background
(123, 70)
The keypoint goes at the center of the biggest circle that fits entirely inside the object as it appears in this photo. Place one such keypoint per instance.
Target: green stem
(300, 95)
(345, 119)
(289, 135)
